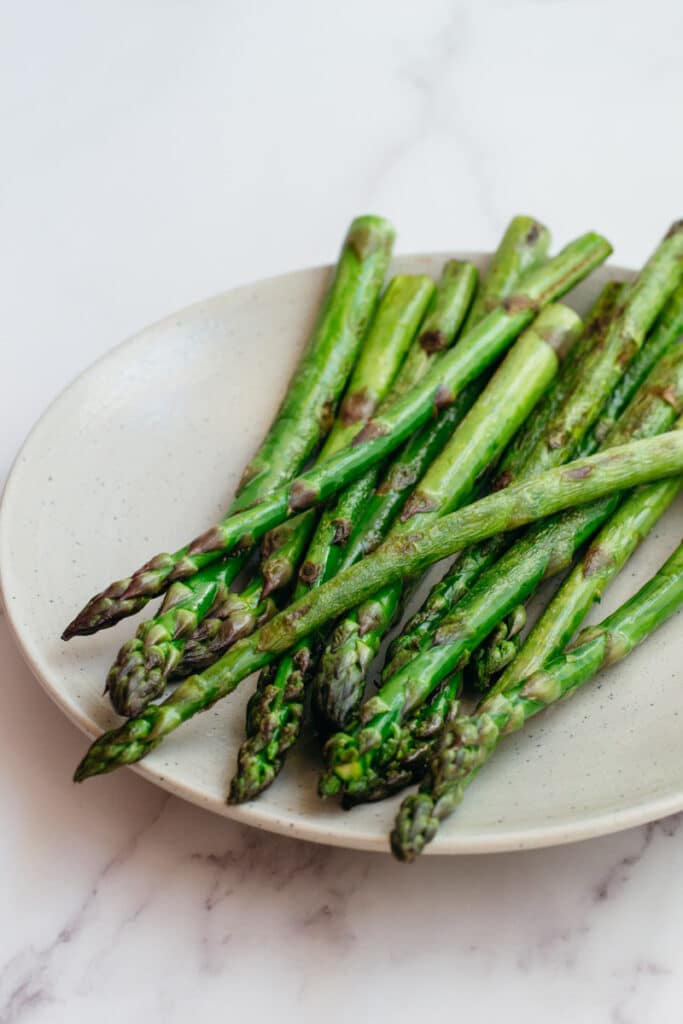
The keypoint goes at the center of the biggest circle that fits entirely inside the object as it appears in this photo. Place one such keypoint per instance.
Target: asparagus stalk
(356, 757)
(469, 742)
(417, 743)
(512, 392)
(524, 247)
(517, 464)
(276, 708)
(603, 560)
(606, 556)
(578, 483)
(564, 430)
(400, 311)
(381, 435)
(666, 333)
(144, 663)
(306, 412)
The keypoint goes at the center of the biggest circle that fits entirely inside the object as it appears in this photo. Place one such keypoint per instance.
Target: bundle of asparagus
(406, 430)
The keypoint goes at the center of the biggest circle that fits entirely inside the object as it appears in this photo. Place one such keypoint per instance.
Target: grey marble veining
(155, 154)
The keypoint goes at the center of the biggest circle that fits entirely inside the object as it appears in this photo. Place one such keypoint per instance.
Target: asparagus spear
(140, 671)
(356, 639)
(469, 742)
(577, 483)
(305, 415)
(666, 333)
(400, 311)
(498, 651)
(588, 579)
(355, 758)
(276, 708)
(420, 733)
(524, 247)
(379, 437)
(512, 392)
(517, 465)
(564, 430)
(417, 743)
(607, 554)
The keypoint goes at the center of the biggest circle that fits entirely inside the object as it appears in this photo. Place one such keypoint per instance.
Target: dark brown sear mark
(432, 341)
(326, 417)
(370, 432)
(674, 229)
(418, 502)
(597, 558)
(443, 397)
(357, 407)
(518, 304)
(342, 531)
(309, 573)
(302, 496)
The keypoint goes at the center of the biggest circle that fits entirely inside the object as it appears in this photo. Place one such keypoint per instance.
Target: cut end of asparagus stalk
(369, 234)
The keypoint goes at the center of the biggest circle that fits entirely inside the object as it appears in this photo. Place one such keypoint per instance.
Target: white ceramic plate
(144, 450)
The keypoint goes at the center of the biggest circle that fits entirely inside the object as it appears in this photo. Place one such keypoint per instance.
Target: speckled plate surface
(144, 450)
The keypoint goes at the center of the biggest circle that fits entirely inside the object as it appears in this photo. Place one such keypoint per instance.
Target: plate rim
(256, 814)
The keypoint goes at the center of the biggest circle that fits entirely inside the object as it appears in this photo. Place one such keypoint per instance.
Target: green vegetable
(381, 435)
(276, 708)
(354, 758)
(512, 392)
(577, 483)
(399, 314)
(307, 410)
(591, 381)
(468, 742)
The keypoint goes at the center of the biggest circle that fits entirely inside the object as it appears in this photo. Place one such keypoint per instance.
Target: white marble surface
(157, 152)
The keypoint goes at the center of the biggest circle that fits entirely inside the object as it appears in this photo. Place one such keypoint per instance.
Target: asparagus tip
(415, 826)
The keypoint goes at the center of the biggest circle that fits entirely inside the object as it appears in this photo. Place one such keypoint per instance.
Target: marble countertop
(156, 153)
